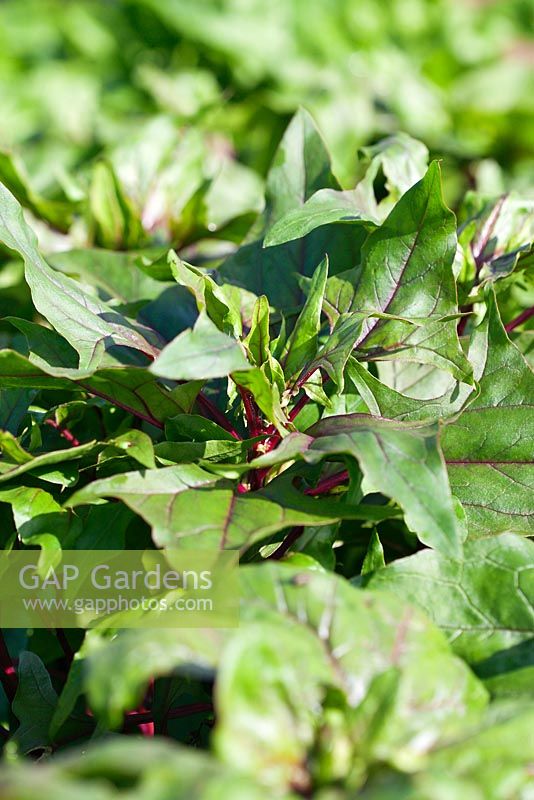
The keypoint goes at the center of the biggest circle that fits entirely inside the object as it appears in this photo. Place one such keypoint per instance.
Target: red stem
(255, 428)
(462, 323)
(8, 675)
(202, 401)
(64, 643)
(304, 400)
(64, 432)
(322, 487)
(135, 718)
(212, 411)
(295, 411)
(129, 409)
(304, 377)
(526, 314)
(254, 422)
(329, 483)
(297, 408)
(290, 539)
(480, 245)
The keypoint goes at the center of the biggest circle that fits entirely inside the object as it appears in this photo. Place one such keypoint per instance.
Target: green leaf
(137, 445)
(382, 401)
(403, 461)
(16, 461)
(258, 344)
(324, 207)
(138, 656)
(191, 427)
(334, 354)
(219, 450)
(483, 601)
(258, 338)
(40, 521)
(502, 234)
(302, 343)
(265, 393)
(131, 388)
(301, 166)
(254, 676)
(72, 690)
(282, 491)
(407, 273)
(57, 213)
(174, 502)
(209, 297)
(201, 353)
(89, 325)
(14, 405)
(149, 767)
(488, 448)
(135, 390)
(149, 487)
(116, 224)
(403, 161)
(374, 558)
(34, 704)
(311, 614)
(116, 276)
(495, 758)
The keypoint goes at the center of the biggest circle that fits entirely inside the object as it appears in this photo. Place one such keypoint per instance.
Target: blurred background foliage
(80, 77)
(132, 125)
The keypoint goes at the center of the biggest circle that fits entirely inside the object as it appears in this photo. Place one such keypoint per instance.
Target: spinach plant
(343, 395)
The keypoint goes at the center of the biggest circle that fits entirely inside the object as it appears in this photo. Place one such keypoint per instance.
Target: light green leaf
(265, 393)
(324, 207)
(492, 760)
(343, 640)
(302, 343)
(116, 224)
(17, 463)
(57, 213)
(403, 161)
(88, 324)
(137, 445)
(200, 353)
(41, 521)
(382, 401)
(149, 767)
(258, 344)
(209, 297)
(301, 166)
(258, 338)
(374, 557)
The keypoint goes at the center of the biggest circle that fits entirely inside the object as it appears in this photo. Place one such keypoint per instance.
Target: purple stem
(526, 314)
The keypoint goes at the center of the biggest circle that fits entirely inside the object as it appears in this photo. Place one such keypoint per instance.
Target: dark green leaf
(34, 704)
